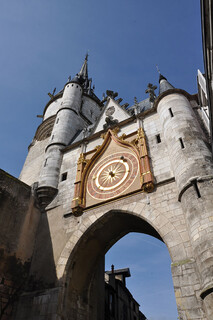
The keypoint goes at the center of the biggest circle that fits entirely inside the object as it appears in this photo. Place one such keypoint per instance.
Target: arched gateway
(100, 170)
(86, 296)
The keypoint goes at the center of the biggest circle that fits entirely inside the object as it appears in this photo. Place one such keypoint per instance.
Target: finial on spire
(136, 102)
(84, 72)
(158, 70)
(136, 106)
(161, 77)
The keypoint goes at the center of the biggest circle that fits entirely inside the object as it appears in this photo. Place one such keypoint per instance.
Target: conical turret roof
(164, 84)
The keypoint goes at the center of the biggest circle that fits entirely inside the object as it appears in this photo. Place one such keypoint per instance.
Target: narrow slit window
(45, 163)
(57, 121)
(158, 138)
(171, 113)
(64, 176)
(197, 189)
(181, 143)
(52, 137)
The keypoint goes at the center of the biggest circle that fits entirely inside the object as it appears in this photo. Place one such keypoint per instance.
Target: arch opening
(150, 281)
(84, 274)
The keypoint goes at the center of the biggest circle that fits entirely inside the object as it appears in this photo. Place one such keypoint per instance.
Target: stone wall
(18, 220)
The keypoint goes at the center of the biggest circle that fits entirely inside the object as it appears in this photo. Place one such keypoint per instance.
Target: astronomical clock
(116, 169)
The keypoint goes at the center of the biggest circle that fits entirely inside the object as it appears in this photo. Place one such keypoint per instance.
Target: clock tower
(99, 169)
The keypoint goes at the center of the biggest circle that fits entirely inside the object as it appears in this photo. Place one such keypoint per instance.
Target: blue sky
(45, 41)
(150, 268)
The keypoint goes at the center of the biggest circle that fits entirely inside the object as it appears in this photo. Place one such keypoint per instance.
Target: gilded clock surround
(106, 178)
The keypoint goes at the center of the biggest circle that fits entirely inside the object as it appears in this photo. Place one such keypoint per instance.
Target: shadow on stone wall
(43, 271)
(21, 222)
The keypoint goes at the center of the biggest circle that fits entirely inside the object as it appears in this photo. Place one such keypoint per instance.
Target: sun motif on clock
(112, 176)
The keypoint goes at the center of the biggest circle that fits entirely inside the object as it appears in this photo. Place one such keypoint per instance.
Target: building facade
(119, 302)
(97, 170)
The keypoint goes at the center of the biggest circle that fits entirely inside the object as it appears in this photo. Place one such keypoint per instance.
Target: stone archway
(83, 276)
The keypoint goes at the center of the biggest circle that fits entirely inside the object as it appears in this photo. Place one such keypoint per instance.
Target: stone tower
(66, 115)
(98, 170)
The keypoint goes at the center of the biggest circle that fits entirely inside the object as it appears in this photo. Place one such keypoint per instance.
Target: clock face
(112, 175)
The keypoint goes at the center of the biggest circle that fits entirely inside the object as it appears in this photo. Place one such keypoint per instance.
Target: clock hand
(105, 181)
(118, 164)
(116, 168)
(123, 171)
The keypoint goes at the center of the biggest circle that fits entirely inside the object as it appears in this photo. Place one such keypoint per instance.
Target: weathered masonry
(98, 170)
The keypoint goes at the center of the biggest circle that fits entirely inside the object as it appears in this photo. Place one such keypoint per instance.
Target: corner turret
(190, 159)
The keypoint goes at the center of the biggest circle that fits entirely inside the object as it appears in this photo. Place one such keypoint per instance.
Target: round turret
(72, 114)
(191, 162)
(183, 136)
(65, 128)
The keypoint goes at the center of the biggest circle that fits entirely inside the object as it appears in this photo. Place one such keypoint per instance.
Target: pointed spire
(164, 84)
(84, 69)
(82, 78)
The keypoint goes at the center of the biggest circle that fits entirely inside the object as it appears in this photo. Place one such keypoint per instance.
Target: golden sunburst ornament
(112, 174)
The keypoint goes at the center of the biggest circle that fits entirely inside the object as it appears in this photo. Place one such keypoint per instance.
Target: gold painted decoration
(112, 176)
(114, 131)
(116, 168)
(77, 200)
(146, 175)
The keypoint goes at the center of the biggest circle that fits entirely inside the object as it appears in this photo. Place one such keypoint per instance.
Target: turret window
(57, 120)
(45, 163)
(158, 138)
(181, 143)
(64, 176)
(52, 137)
(171, 113)
(196, 188)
